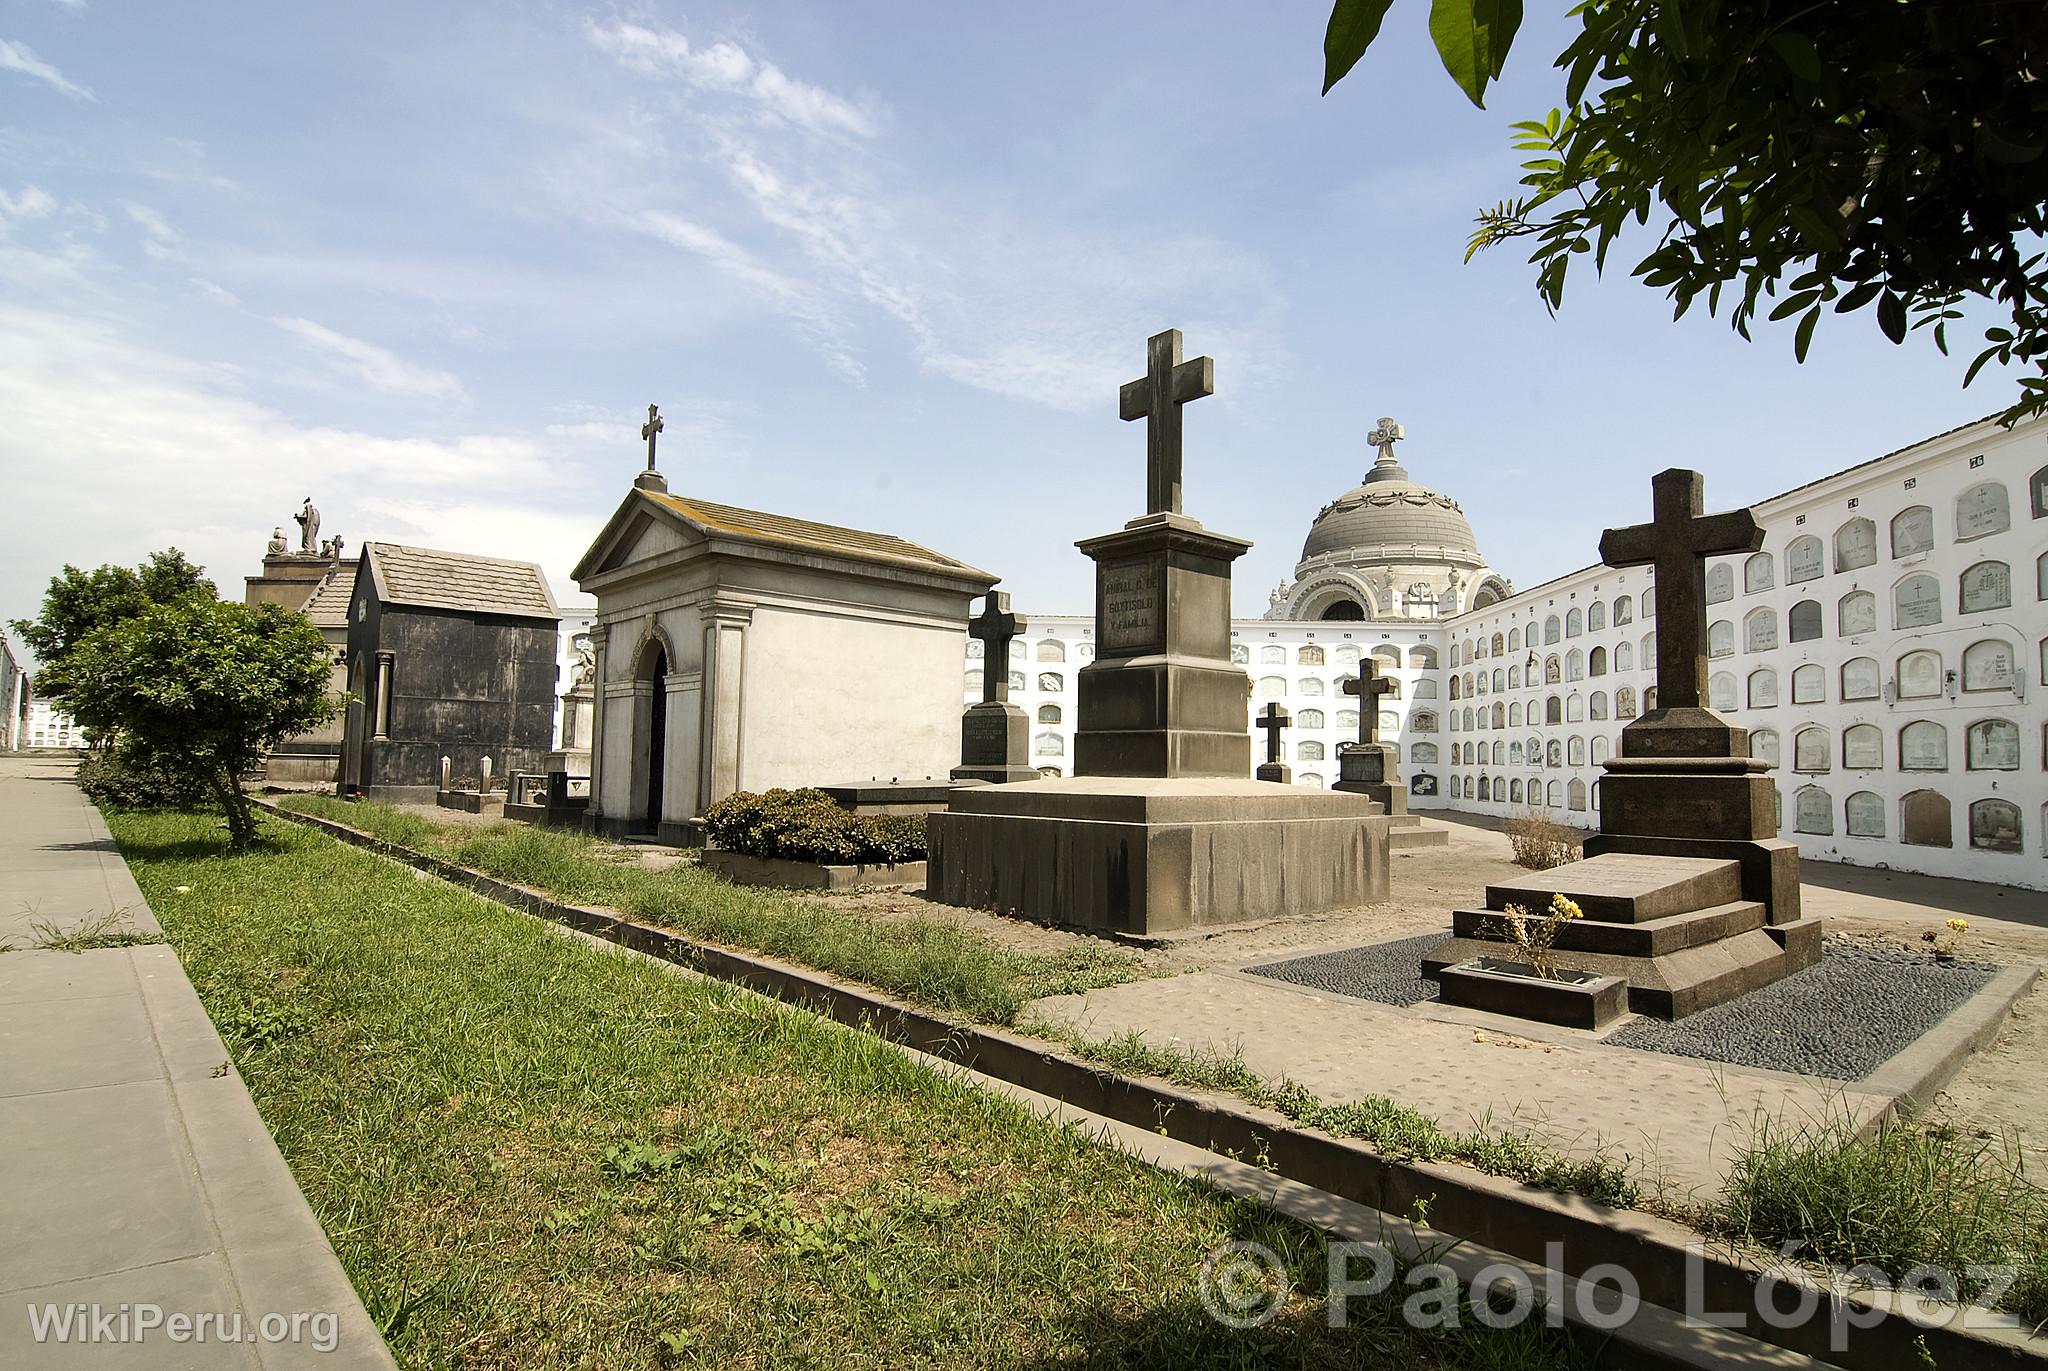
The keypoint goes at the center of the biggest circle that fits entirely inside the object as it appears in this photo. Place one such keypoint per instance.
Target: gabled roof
(435, 579)
(777, 530)
(328, 605)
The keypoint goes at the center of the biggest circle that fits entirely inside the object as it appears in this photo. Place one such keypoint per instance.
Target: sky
(880, 265)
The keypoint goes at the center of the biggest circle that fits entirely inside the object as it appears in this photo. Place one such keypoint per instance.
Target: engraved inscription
(1130, 606)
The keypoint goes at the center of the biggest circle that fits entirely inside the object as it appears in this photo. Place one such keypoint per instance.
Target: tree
(78, 602)
(202, 690)
(1843, 154)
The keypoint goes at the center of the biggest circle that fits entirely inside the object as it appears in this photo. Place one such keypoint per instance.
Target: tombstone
(1919, 676)
(1993, 745)
(1161, 827)
(1863, 815)
(1912, 531)
(1860, 679)
(1917, 602)
(1855, 545)
(1987, 585)
(1803, 560)
(447, 774)
(1813, 811)
(994, 734)
(1923, 746)
(1995, 826)
(1982, 510)
(483, 775)
(1371, 767)
(1859, 614)
(1924, 820)
(1273, 719)
(1688, 818)
(1988, 666)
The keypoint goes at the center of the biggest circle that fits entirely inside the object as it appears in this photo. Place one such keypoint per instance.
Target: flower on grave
(1929, 936)
(1566, 907)
(1959, 925)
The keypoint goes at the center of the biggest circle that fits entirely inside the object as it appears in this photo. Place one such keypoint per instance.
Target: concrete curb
(1676, 1268)
(1915, 1075)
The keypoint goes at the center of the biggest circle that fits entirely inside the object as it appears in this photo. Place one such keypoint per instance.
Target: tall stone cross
(995, 626)
(1677, 542)
(1156, 397)
(1368, 685)
(1273, 718)
(650, 430)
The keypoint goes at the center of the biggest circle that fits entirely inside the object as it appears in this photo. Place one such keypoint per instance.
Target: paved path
(1684, 1120)
(134, 1170)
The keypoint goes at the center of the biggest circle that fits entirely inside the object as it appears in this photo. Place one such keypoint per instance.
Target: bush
(1541, 842)
(107, 779)
(806, 826)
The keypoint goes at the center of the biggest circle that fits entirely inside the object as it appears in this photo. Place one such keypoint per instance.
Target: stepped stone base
(1680, 931)
(1408, 833)
(1149, 855)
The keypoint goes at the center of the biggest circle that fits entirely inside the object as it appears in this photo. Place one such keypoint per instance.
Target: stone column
(725, 628)
(598, 634)
(384, 659)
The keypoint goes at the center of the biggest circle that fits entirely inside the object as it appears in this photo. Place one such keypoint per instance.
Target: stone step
(1652, 938)
(1403, 837)
(1625, 888)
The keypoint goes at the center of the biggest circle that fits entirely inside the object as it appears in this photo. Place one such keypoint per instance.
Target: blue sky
(881, 265)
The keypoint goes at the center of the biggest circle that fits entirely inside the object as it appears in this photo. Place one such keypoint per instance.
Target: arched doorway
(657, 739)
(1344, 611)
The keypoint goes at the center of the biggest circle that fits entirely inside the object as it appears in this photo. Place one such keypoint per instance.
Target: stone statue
(586, 668)
(277, 546)
(1273, 601)
(308, 520)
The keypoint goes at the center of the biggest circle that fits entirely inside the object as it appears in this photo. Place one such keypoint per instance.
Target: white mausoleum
(1886, 649)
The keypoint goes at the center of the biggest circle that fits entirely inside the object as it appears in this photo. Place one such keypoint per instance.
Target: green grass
(533, 1153)
(923, 960)
(1898, 1197)
(1388, 1127)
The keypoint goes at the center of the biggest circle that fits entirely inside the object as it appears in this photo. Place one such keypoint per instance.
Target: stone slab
(1151, 855)
(471, 802)
(1655, 803)
(1624, 888)
(780, 873)
(1770, 866)
(1669, 986)
(1654, 938)
(1589, 1004)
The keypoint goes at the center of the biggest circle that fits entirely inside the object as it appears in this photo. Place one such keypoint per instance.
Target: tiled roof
(327, 607)
(753, 523)
(460, 580)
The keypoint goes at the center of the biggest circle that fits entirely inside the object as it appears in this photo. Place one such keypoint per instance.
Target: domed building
(1388, 548)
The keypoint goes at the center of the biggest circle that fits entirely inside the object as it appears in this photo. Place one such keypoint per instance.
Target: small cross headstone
(483, 777)
(1273, 718)
(1368, 685)
(1156, 397)
(995, 627)
(1677, 542)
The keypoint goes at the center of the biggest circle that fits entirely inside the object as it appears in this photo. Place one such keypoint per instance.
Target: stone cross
(650, 430)
(1368, 685)
(1677, 542)
(1384, 437)
(1273, 718)
(1156, 397)
(995, 626)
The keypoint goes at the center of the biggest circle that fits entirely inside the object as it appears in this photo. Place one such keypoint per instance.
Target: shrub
(1541, 842)
(806, 826)
(107, 779)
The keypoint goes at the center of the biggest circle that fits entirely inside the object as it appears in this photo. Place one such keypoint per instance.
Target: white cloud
(376, 366)
(17, 57)
(159, 239)
(726, 68)
(32, 203)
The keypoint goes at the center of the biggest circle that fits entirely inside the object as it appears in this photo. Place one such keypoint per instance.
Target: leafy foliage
(806, 826)
(108, 779)
(200, 690)
(78, 602)
(1794, 159)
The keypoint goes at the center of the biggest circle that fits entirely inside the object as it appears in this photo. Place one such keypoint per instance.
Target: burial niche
(1995, 826)
(1924, 820)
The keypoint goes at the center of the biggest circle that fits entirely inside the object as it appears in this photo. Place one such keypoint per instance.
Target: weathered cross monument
(1370, 767)
(1273, 719)
(994, 734)
(1688, 892)
(1159, 829)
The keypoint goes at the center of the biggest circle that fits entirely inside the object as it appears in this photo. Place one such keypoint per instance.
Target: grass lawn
(923, 960)
(533, 1153)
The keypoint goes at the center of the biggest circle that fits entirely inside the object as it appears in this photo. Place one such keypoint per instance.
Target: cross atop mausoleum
(995, 626)
(650, 431)
(1677, 542)
(1273, 718)
(1384, 437)
(1368, 685)
(1156, 397)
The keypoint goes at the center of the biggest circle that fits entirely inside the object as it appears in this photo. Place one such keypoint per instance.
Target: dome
(1388, 511)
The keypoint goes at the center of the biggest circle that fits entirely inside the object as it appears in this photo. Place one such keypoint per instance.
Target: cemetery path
(1683, 1120)
(138, 1171)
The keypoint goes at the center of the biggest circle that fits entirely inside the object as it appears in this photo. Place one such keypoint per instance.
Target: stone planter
(787, 875)
(1576, 999)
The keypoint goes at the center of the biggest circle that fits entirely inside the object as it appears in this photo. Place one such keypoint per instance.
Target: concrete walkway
(138, 1176)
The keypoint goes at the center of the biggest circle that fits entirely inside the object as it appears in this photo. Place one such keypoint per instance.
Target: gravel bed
(1842, 1017)
(1390, 973)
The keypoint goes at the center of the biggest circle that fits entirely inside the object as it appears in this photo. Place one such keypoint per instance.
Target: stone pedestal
(1156, 855)
(1368, 769)
(995, 739)
(1162, 697)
